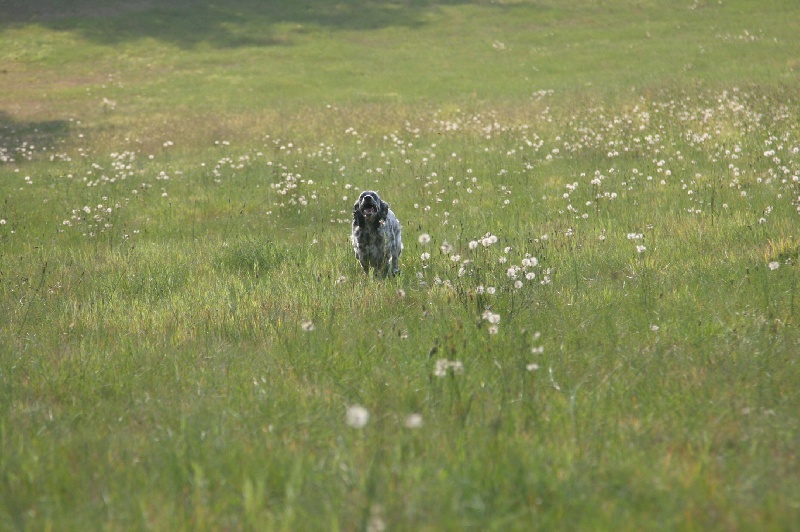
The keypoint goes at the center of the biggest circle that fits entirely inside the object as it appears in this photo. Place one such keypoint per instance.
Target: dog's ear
(358, 218)
(383, 212)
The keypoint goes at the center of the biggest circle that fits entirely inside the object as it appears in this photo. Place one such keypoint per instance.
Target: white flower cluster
(444, 366)
(493, 319)
(92, 220)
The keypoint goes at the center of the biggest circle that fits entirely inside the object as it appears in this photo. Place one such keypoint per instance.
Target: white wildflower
(443, 366)
(357, 416)
(530, 262)
(413, 421)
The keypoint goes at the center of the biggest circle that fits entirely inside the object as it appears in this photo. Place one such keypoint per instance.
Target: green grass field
(595, 328)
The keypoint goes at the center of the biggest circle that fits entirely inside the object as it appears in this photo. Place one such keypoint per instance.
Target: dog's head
(371, 207)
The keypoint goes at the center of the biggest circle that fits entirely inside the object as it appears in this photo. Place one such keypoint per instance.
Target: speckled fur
(376, 237)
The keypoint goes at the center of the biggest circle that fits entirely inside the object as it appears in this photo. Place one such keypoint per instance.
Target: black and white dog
(376, 235)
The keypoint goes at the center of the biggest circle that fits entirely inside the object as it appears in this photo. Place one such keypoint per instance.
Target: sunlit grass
(596, 321)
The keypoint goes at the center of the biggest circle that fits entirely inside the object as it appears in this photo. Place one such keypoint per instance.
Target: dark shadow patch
(222, 24)
(20, 140)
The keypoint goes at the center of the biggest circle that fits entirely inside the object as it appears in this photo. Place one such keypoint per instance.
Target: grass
(186, 337)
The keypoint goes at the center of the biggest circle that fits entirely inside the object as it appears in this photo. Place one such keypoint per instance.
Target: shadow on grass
(230, 23)
(19, 139)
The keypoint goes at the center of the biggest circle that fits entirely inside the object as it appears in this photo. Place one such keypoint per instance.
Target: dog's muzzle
(369, 207)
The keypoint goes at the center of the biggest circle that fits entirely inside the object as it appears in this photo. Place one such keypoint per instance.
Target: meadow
(595, 326)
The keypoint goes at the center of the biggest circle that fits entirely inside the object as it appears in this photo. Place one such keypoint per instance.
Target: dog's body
(376, 235)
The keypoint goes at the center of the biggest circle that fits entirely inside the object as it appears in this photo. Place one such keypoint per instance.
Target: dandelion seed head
(440, 369)
(443, 366)
(530, 262)
(491, 317)
(357, 416)
(413, 421)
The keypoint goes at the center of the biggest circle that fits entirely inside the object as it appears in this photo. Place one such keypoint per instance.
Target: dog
(376, 235)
